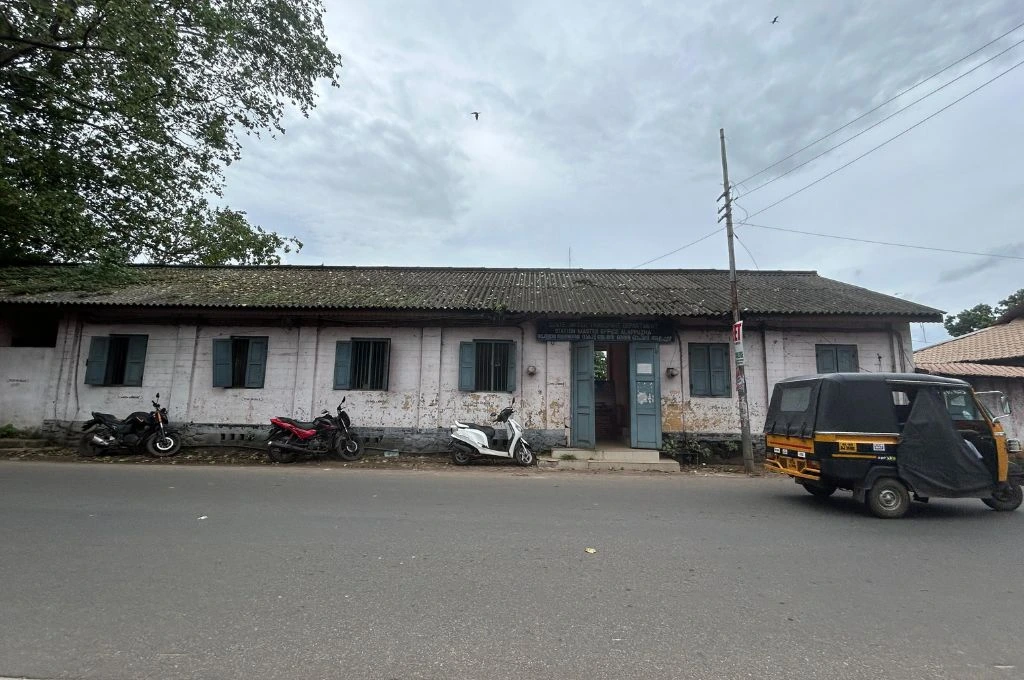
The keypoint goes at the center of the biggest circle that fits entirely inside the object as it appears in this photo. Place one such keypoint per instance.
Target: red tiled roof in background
(1003, 341)
(970, 369)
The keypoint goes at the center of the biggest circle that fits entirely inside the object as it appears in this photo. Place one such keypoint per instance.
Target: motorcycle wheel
(279, 455)
(348, 447)
(87, 449)
(163, 446)
(523, 455)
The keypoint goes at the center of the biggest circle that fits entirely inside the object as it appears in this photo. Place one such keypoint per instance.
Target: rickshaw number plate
(848, 447)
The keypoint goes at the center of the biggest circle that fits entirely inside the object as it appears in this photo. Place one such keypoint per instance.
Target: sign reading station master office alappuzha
(611, 330)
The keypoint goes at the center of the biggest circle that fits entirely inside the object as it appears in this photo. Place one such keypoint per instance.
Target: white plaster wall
(672, 387)
(254, 406)
(1014, 391)
(477, 406)
(401, 405)
(25, 385)
(546, 395)
(789, 353)
(423, 381)
(122, 400)
(423, 388)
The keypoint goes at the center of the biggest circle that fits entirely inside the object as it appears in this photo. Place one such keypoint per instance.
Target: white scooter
(471, 441)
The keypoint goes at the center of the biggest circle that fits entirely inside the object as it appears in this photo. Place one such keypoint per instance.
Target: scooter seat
(487, 430)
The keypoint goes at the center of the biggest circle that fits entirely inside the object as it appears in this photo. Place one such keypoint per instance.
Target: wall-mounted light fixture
(671, 371)
(531, 370)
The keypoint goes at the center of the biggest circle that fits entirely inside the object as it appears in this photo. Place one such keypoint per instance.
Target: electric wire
(673, 252)
(891, 139)
(887, 101)
(879, 122)
(882, 243)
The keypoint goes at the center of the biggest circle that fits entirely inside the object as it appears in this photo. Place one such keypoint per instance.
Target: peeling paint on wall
(423, 392)
(671, 412)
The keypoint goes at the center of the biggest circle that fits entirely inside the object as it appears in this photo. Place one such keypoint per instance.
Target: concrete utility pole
(741, 373)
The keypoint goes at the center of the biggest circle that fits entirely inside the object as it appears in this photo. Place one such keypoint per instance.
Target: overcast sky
(598, 133)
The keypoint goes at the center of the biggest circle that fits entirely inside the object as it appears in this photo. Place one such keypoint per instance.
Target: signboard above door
(608, 330)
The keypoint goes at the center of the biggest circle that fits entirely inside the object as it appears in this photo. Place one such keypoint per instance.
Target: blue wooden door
(644, 396)
(583, 395)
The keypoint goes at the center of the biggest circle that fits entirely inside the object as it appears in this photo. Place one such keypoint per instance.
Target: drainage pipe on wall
(892, 347)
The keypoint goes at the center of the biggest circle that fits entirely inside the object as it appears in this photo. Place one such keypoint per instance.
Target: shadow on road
(843, 505)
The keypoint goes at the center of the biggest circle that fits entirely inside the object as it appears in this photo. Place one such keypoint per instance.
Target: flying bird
(475, 114)
(775, 20)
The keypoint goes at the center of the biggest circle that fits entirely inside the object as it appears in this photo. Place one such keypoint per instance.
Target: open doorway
(611, 394)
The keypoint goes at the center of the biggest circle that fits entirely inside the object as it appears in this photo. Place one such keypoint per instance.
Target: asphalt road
(109, 572)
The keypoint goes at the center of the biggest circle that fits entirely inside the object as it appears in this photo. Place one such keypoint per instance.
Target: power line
(673, 252)
(891, 139)
(748, 252)
(876, 124)
(882, 243)
(887, 101)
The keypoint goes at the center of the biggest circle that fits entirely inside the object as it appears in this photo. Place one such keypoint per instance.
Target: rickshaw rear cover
(933, 457)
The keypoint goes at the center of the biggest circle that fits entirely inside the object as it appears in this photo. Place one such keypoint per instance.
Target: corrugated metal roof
(597, 292)
(972, 369)
(1003, 341)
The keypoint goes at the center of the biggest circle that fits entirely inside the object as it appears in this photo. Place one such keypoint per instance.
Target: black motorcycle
(139, 432)
(325, 434)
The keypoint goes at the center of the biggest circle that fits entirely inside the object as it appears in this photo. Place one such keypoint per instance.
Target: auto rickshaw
(892, 438)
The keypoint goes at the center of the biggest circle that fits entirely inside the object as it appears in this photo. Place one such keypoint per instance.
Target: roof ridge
(148, 265)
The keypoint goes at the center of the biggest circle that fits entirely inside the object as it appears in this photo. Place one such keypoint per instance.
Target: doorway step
(610, 458)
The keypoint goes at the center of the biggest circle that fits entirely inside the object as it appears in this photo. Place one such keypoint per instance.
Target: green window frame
(362, 364)
(487, 366)
(836, 358)
(240, 361)
(116, 360)
(710, 370)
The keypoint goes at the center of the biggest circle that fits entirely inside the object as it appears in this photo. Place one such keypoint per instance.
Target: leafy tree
(980, 316)
(1011, 301)
(969, 320)
(117, 118)
(601, 365)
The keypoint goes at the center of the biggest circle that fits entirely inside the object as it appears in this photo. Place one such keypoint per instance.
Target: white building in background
(592, 356)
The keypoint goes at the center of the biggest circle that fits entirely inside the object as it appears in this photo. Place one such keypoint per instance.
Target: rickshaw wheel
(888, 498)
(1005, 499)
(819, 490)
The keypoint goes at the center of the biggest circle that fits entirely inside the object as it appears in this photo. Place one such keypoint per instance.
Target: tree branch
(39, 44)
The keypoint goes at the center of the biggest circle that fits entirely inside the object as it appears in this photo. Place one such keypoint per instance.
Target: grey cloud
(600, 133)
(984, 265)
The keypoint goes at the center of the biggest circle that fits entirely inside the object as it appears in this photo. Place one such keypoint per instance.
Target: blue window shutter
(719, 359)
(256, 362)
(846, 359)
(96, 364)
(135, 361)
(700, 371)
(512, 367)
(387, 364)
(825, 356)
(222, 362)
(467, 366)
(342, 364)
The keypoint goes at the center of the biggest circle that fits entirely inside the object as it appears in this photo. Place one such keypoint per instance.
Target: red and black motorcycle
(326, 434)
